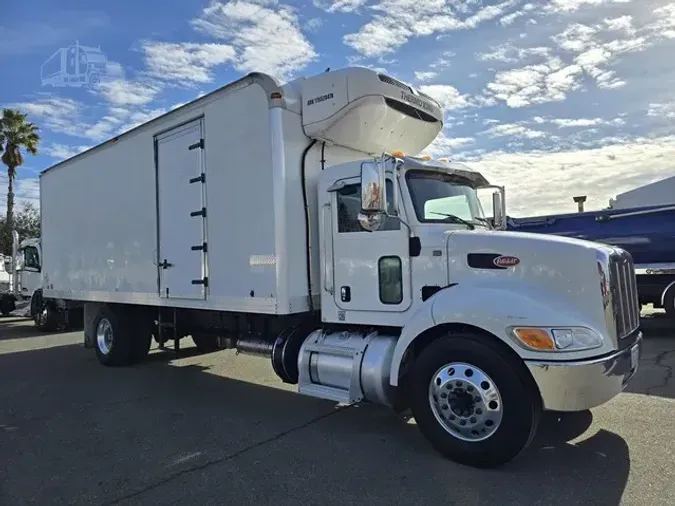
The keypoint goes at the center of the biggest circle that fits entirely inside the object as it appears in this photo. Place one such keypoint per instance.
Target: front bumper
(585, 384)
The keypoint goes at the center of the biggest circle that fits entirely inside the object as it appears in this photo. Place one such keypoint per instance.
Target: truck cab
(405, 243)
(23, 273)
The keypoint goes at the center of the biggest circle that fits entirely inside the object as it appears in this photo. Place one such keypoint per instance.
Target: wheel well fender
(431, 334)
(35, 302)
(666, 290)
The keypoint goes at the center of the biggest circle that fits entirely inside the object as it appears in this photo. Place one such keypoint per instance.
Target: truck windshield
(441, 198)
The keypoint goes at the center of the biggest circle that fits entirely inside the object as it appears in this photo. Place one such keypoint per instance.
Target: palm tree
(15, 133)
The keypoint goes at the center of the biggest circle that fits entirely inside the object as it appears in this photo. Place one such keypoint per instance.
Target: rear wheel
(473, 402)
(113, 337)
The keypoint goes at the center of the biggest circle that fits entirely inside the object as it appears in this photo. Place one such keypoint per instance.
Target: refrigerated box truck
(293, 221)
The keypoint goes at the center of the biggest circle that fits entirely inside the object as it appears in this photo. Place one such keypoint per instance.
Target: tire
(205, 343)
(669, 302)
(499, 426)
(7, 305)
(113, 337)
(46, 318)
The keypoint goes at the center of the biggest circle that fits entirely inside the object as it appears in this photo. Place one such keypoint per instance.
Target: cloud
(510, 18)
(66, 116)
(313, 24)
(568, 6)
(122, 92)
(339, 5)
(266, 38)
(397, 21)
(584, 122)
(451, 99)
(61, 115)
(425, 76)
(513, 130)
(26, 190)
(448, 96)
(598, 45)
(550, 81)
(186, 62)
(444, 146)
(662, 110)
(539, 182)
(443, 61)
(62, 151)
(509, 53)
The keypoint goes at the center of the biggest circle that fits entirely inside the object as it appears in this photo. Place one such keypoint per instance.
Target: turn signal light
(537, 339)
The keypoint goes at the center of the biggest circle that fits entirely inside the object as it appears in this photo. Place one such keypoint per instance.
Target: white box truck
(289, 220)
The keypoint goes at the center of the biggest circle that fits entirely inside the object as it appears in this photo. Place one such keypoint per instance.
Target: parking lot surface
(222, 429)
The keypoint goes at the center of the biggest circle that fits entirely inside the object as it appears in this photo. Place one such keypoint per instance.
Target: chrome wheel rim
(465, 401)
(104, 336)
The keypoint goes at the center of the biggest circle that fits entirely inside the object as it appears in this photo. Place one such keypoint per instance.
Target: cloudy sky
(549, 98)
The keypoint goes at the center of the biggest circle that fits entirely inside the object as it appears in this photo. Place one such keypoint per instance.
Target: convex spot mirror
(373, 196)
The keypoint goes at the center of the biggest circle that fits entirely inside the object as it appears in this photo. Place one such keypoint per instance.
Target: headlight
(556, 339)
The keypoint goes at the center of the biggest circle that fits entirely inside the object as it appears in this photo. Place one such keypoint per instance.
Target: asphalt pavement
(222, 429)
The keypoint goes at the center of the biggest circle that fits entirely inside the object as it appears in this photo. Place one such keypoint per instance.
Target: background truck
(24, 288)
(641, 221)
(286, 220)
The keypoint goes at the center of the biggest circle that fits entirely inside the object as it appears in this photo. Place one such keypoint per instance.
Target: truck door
(371, 270)
(181, 212)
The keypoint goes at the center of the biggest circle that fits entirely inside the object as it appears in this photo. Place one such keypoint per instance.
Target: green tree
(16, 133)
(26, 223)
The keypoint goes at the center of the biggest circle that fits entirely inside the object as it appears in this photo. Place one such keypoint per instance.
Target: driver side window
(31, 259)
(349, 205)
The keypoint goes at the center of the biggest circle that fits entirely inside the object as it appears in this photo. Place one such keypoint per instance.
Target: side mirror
(373, 189)
(499, 209)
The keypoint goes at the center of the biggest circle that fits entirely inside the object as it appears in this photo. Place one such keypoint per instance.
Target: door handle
(165, 264)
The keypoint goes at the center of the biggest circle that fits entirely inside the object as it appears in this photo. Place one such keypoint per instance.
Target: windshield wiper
(483, 220)
(452, 218)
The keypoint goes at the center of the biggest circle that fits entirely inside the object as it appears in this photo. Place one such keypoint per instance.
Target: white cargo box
(100, 211)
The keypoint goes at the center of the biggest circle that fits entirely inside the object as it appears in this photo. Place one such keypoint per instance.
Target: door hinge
(196, 145)
(203, 281)
(201, 247)
(199, 213)
(199, 179)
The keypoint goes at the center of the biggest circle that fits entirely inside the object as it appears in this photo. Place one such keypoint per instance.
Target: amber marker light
(537, 339)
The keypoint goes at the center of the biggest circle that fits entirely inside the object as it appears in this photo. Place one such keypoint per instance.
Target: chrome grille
(623, 287)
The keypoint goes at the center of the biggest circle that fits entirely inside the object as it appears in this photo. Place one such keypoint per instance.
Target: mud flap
(90, 311)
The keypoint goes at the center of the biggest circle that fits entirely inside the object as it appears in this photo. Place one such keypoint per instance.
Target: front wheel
(46, 318)
(473, 402)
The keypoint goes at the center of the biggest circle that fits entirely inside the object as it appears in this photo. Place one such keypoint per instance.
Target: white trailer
(238, 220)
